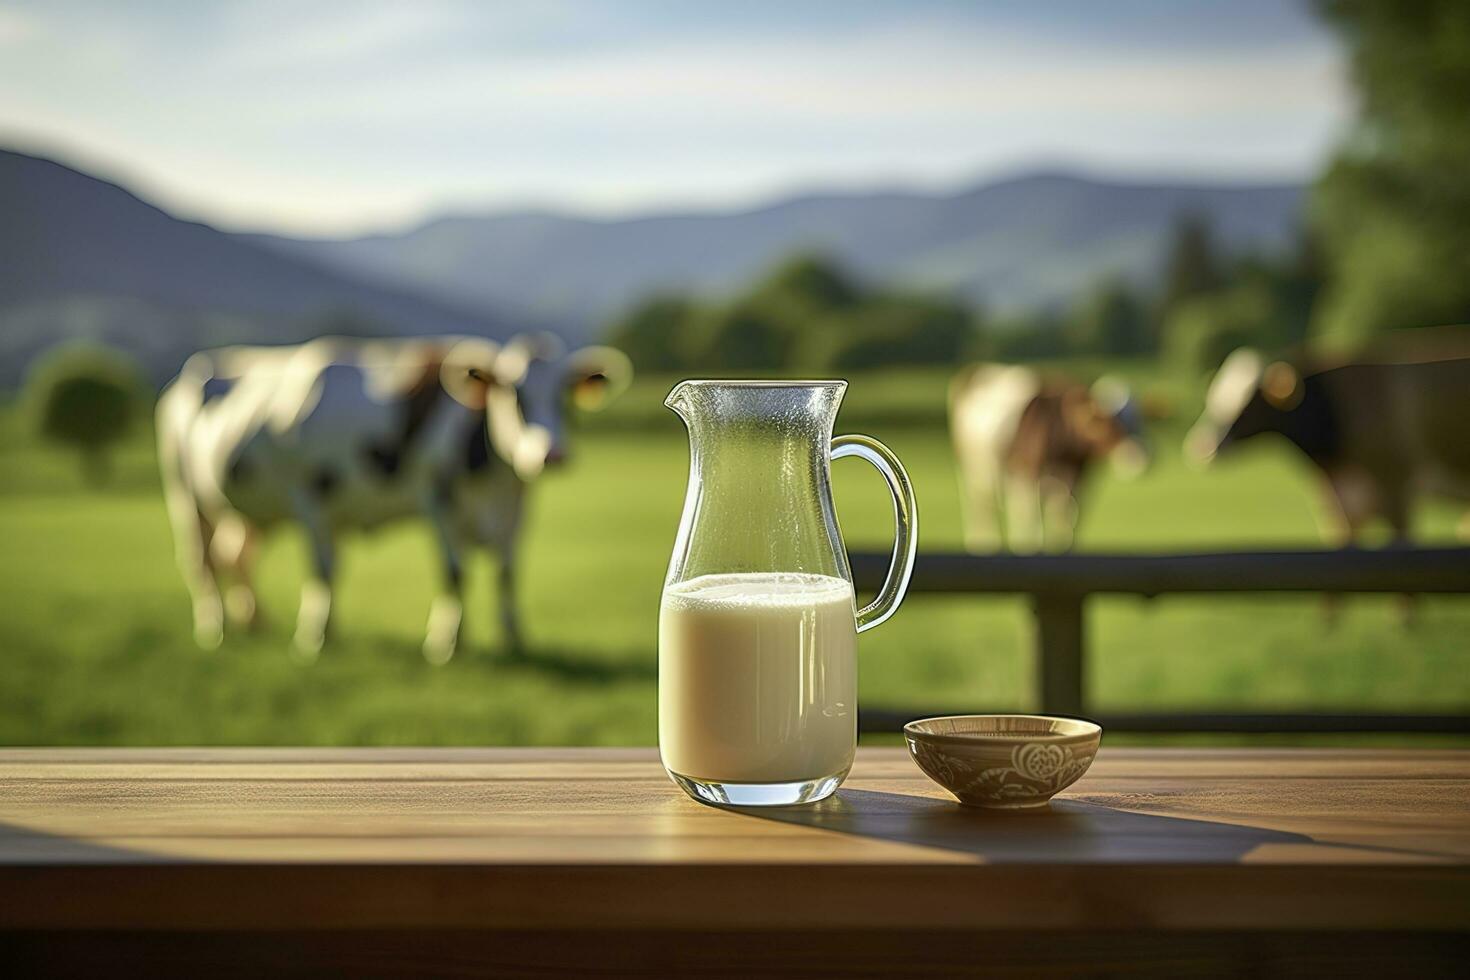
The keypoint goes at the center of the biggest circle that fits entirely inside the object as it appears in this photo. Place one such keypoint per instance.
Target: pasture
(95, 634)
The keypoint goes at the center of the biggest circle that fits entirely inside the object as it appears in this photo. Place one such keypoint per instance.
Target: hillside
(1015, 244)
(82, 257)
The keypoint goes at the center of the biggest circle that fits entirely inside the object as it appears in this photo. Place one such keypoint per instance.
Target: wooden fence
(1059, 586)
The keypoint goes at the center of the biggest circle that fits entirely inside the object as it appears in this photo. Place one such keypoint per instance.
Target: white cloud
(327, 117)
(275, 36)
(17, 26)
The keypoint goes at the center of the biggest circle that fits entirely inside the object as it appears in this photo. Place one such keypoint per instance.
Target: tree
(1267, 304)
(655, 332)
(898, 328)
(85, 397)
(743, 336)
(809, 301)
(1204, 329)
(1298, 283)
(1111, 320)
(808, 283)
(1191, 268)
(1029, 337)
(805, 314)
(1394, 206)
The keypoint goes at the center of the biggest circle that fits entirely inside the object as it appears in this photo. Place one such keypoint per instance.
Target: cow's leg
(192, 534)
(1059, 519)
(192, 538)
(497, 522)
(1338, 531)
(1348, 504)
(248, 607)
(1353, 500)
(500, 534)
(446, 614)
(510, 626)
(1396, 507)
(192, 531)
(234, 549)
(1024, 530)
(314, 616)
(980, 508)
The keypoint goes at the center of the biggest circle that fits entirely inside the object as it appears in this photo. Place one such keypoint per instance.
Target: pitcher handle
(905, 520)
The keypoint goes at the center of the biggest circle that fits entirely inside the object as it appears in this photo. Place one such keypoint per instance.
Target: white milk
(757, 678)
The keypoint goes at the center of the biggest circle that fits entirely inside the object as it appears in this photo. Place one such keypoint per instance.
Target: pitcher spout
(678, 400)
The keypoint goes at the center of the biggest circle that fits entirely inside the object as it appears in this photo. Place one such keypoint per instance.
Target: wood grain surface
(597, 839)
(535, 863)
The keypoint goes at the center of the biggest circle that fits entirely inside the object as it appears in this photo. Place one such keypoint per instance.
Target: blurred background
(882, 191)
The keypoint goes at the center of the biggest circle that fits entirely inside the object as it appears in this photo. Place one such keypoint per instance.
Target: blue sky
(333, 117)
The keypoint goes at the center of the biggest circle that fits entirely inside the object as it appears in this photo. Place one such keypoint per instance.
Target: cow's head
(1246, 398)
(524, 387)
(1111, 420)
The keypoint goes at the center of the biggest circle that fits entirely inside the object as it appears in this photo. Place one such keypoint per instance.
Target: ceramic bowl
(1004, 762)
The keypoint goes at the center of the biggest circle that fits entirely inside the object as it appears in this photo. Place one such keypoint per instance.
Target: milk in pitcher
(758, 677)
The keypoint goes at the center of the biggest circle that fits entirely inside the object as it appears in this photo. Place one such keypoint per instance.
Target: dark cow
(336, 435)
(1381, 429)
(1024, 445)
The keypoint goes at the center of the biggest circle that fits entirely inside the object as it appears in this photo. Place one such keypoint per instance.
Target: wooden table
(584, 860)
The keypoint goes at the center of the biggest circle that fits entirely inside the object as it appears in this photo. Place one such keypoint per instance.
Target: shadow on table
(23, 846)
(1070, 831)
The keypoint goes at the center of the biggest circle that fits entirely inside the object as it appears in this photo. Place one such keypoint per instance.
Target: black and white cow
(339, 434)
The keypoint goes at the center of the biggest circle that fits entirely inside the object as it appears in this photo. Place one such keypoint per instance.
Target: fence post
(1059, 651)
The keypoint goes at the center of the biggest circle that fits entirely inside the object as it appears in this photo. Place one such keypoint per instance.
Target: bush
(1029, 338)
(1266, 305)
(897, 329)
(654, 333)
(1203, 330)
(85, 397)
(1111, 320)
(805, 315)
(744, 336)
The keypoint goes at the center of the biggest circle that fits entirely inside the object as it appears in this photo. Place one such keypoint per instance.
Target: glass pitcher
(757, 640)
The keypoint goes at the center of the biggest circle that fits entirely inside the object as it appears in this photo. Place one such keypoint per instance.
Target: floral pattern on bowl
(1003, 761)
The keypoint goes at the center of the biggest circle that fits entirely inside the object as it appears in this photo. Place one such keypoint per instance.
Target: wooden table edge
(980, 897)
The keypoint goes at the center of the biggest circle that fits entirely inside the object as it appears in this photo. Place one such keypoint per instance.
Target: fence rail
(1059, 586)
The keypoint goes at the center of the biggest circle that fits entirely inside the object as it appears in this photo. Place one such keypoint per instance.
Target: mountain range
(82, 257)
(1017, 244)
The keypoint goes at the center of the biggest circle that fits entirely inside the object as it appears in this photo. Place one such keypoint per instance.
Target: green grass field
(94, 620)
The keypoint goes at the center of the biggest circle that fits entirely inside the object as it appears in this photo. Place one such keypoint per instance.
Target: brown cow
(1025, 443)
(1382, 429)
